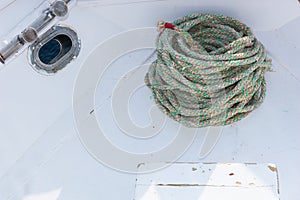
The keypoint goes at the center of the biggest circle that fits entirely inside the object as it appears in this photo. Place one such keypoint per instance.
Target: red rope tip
(169, 25)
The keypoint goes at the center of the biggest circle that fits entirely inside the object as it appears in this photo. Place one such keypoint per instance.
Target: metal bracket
(57, 9)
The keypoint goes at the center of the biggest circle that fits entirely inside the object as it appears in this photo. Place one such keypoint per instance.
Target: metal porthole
(54, 49)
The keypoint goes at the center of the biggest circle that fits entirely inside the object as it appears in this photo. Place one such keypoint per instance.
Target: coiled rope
(209, 70)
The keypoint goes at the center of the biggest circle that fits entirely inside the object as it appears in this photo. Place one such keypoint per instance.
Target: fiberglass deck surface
(41, 156)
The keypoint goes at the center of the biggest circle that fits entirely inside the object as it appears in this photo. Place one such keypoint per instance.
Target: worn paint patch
(233, 181)
(272, 168)
(238, 183)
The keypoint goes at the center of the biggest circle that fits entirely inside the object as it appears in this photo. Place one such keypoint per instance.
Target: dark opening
(55, 49)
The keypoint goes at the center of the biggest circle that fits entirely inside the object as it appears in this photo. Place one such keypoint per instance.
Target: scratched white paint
(204, 181)
(39, 148)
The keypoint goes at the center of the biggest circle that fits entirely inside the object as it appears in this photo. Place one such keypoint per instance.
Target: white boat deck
(41, 156)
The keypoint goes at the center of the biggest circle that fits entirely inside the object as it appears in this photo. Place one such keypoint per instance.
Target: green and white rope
(209, 70)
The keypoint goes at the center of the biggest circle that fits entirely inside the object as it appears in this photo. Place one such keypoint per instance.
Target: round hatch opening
(54, 50)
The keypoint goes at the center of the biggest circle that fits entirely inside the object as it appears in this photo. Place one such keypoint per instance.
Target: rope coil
(209, 70)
